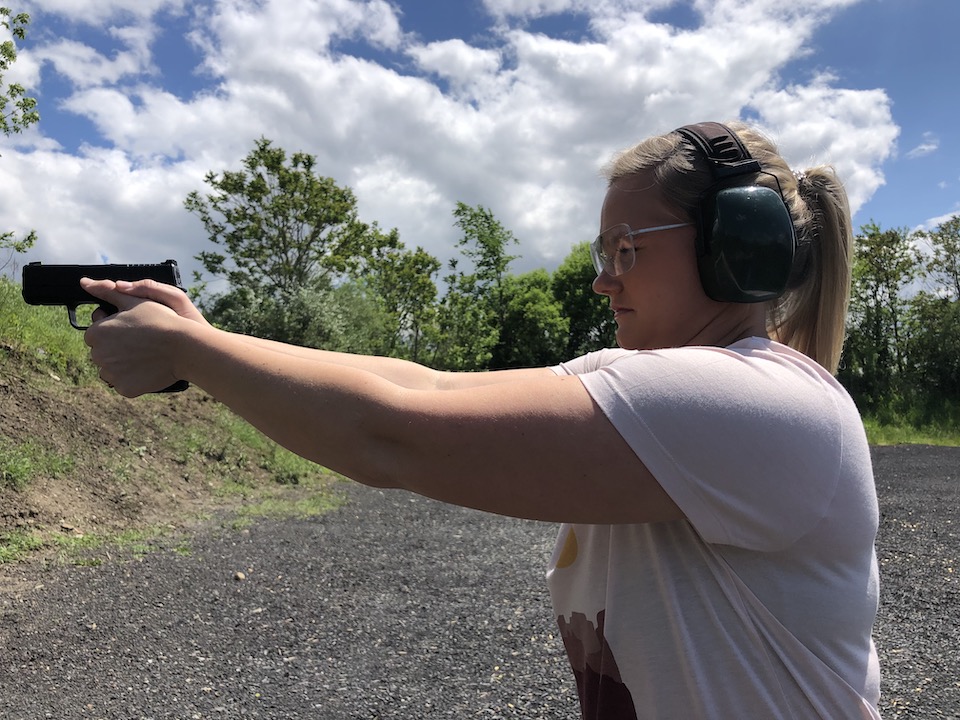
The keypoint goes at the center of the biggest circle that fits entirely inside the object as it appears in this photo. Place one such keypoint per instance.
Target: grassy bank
(84, 471)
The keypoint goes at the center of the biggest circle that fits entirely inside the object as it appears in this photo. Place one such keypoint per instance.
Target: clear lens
(613, 251)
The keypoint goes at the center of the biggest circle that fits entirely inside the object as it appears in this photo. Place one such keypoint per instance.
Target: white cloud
(520, 124)
(529, 8)
(97, 205)
(100, 12)
(85, 67)
(851, 130)
(457, 62)
(930, 144)
(935, 222)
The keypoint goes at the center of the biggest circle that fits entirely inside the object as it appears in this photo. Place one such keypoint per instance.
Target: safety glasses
(613, 251)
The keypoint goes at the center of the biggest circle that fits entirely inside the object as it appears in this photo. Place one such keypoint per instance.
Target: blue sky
(419, 104)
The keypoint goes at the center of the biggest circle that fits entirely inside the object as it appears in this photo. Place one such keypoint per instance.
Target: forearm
(400, 372)
(403, 373)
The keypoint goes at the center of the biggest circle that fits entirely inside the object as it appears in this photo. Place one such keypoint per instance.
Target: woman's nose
(604, 284)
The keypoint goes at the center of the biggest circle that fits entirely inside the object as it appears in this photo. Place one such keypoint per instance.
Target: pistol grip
(178, 386)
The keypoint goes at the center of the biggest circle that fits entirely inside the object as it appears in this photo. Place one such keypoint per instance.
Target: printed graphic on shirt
(601, 689)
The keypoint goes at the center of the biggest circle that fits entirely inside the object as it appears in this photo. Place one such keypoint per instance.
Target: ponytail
(811, 316)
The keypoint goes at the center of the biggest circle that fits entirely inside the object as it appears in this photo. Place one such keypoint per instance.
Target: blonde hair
(811, 314)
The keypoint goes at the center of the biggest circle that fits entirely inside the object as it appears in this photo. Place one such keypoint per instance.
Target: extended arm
(402, 372)
(535, 447)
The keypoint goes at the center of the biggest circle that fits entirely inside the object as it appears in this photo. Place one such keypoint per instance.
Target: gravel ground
(399, 607)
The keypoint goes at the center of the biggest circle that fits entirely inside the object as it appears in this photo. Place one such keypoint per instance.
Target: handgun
(60, 285)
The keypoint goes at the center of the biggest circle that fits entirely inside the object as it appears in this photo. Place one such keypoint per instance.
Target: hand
(135, 348)
(173, 297)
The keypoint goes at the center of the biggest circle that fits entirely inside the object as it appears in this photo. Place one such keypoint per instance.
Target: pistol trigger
(72, 312)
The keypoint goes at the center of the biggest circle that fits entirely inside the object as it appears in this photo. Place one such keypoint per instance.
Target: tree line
(901, 359)
(18, 111)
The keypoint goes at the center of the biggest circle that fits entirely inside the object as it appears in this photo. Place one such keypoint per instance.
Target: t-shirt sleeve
(748, 447)
(591, 361)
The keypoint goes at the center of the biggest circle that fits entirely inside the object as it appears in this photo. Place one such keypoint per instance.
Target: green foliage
(475, 306)
(534, 330)
(591, 323)
(943, 266)
(281, 230)
(402, 283)
(932, 348)
(874, 356)
(42, 336)
(901, 360)
(12, 246)
(17, 111)
(302, 268)
(343, 319)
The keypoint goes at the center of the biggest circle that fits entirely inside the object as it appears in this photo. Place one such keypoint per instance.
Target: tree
(591, 323)
(402, 282)
(875, 353)
(23, 112)
(17, 110)
(485, 243)
(282, 231)
(534, 330)
(944, 265)
(474, 307)
(933, 350)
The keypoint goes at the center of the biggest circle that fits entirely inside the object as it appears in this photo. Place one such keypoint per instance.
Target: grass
(43, 336)
(879, 433)
(85, 550)
(224, 450)
(17, 545)
(233, 445)
(21, 462)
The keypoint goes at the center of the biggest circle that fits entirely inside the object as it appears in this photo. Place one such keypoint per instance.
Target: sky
(416, 105)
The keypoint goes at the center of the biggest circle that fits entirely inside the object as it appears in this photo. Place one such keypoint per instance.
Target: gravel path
(399, 607)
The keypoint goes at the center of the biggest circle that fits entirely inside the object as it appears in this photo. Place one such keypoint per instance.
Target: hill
(79, 463)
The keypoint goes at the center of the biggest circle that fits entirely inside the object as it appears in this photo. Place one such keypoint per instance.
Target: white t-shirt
(761, 603)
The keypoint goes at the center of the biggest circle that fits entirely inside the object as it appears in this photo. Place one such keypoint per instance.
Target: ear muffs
(745, 236)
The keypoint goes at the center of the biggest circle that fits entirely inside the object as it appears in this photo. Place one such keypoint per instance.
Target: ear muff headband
(745, 236)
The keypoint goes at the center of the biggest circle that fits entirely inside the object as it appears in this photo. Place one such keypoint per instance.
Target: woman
(716, 558)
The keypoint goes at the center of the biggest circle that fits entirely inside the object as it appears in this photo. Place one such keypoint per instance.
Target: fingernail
(124, 285)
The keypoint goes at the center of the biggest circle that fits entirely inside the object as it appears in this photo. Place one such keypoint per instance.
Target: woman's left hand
(134, 348)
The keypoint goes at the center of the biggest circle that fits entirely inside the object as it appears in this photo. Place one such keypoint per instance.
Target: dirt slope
(116, 463)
